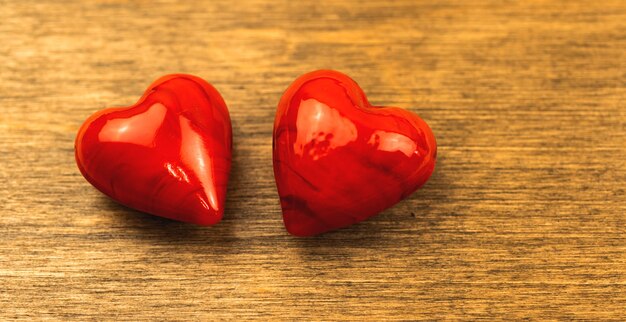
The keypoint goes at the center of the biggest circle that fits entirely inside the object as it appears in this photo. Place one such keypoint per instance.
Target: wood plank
(525, 216)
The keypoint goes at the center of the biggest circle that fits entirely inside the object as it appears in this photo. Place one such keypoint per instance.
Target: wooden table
(525, 216)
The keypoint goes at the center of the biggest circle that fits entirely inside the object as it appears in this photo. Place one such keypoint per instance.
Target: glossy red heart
(168, 155)
(338, 160)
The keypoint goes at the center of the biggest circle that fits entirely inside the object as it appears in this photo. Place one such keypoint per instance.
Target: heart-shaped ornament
(168, 155)
(339, 160)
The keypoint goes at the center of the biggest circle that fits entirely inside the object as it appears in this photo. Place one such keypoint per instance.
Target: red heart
(338, 160)
(168, 155)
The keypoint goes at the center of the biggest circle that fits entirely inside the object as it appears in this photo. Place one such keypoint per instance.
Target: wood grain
(525, 216)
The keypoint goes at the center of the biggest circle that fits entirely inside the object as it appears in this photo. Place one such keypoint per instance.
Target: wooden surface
(525, 216)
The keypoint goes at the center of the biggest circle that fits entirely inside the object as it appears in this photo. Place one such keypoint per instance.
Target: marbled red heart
(168, 155)
(338, 160)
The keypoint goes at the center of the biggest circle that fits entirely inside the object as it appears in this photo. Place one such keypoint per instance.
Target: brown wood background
(525, 216)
